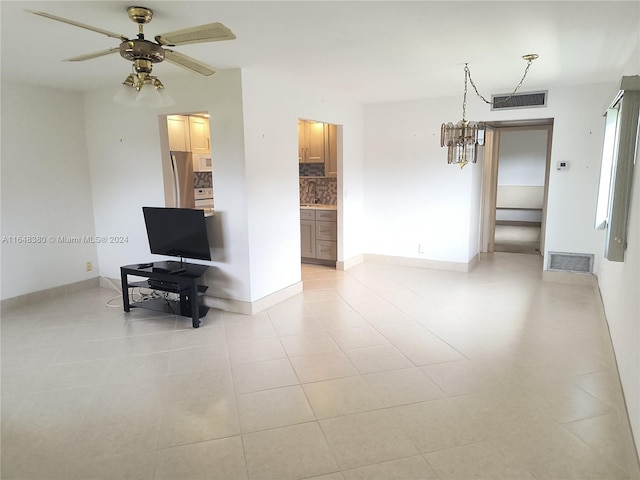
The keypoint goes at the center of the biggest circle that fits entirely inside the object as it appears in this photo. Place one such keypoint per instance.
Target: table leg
(195, 307)
(125, 291)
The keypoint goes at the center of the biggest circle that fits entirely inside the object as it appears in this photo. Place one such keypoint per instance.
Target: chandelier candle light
(463, 139)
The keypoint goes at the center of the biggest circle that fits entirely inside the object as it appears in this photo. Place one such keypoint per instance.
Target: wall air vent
(519, 100)
(571, 262)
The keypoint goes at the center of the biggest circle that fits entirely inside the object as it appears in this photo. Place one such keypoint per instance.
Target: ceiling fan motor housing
(141, 50)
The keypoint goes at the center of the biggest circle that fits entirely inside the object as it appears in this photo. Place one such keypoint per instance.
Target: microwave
(206, 163)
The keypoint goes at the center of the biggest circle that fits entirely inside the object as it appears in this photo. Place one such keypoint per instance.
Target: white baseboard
(251, 308)
(111, 283)
(422, 263)
(47, 294)
(352, 262)
(243, 307)
(229, 304)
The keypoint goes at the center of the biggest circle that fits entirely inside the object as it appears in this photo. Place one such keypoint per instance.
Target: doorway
(515, 186)
(319, 155)
(187, 166)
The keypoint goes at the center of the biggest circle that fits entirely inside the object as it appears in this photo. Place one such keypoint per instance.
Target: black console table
(176, 277)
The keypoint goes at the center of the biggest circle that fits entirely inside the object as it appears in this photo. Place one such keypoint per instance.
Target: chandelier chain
(467, 74)
(464, 98)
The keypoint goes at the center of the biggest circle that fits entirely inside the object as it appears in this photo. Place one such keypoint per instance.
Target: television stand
(175, 277)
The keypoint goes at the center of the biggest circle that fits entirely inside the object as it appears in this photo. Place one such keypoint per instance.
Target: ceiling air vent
(519, 100)
(571, 262)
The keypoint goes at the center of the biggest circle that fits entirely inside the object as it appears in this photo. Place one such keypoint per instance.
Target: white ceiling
(367, 51)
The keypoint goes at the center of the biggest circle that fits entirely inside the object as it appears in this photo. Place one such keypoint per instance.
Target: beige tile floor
(380, 372)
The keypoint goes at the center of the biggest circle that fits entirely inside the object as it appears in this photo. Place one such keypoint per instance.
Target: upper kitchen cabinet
(311, 141)
(189, 134)
(318, 144)
(331, 156)
(199, 133)
(178, 128)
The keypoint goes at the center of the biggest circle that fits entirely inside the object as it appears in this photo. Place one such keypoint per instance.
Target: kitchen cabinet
(311, 141)
(199, 135)
(308, 238)
(331, 154)
(189, 134)
(318, 143)
(178, 129)
(318, 235)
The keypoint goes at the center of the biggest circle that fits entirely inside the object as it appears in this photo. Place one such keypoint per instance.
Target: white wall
(578, 133)
(619, 284)
(253, 119)
(46, 189)
(106, 163)
(522, 157)
(272, 106)
(126, 173)
(620, 289)
(412, 196)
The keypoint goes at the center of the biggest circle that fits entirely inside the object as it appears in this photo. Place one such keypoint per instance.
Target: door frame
(490, 177)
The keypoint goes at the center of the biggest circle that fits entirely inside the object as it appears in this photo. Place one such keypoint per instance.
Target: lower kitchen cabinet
(318, 235)
(308, 238)
(326, 250)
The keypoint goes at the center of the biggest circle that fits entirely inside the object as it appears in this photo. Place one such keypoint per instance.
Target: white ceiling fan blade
(212, 32)
(187, 62)
(89, 56)
(81, 25)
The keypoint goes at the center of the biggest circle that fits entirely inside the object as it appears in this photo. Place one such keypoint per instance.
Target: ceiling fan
(144, 53)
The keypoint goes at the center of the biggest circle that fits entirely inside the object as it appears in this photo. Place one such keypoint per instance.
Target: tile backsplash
(322, 189)
(311, 169)
(202, 179)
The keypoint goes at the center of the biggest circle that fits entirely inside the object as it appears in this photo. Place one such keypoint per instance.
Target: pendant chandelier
(463, 139)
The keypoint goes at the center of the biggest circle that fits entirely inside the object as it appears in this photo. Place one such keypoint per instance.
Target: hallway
(517, 239)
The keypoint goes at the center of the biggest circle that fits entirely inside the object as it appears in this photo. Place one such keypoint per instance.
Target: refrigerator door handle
(176, 187)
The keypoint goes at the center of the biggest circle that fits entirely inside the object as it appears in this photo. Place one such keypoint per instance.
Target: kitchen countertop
(319, 206)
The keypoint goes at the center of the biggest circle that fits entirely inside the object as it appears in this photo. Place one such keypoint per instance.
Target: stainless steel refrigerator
(182, 167)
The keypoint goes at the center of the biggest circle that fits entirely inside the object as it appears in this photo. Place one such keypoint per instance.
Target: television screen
(177, 232)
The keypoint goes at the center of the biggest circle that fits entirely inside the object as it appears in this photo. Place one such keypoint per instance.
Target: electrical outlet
(420, 248)
(89, 266)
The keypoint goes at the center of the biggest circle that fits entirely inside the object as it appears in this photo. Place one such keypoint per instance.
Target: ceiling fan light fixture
(129, 81)
(148, 96)
(152, 93)
(141, 89)
(126, 94)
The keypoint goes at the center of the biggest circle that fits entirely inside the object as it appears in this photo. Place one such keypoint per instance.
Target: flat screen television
(177, 232)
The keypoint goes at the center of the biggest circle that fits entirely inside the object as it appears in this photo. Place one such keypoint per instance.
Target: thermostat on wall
(563, 165)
